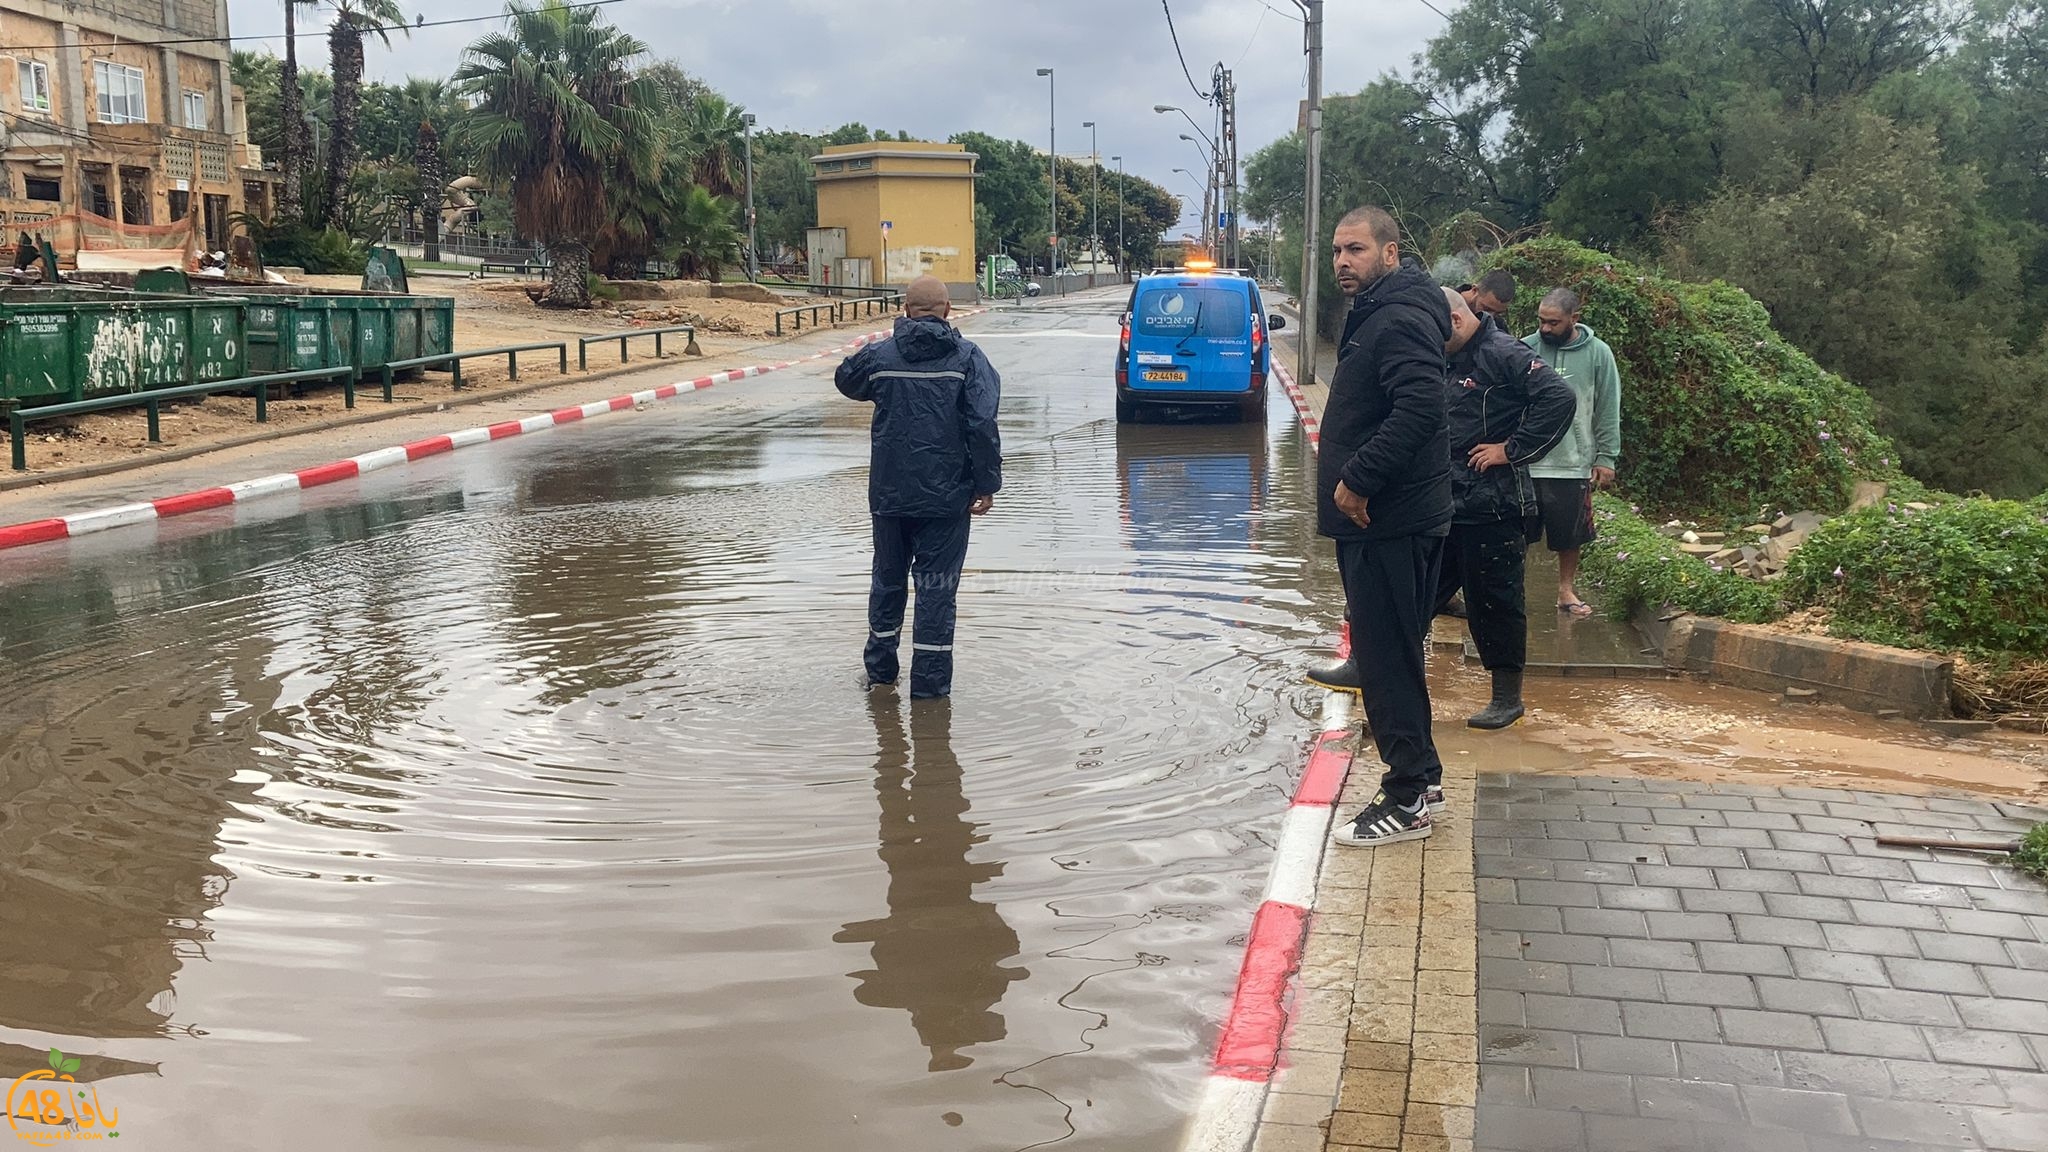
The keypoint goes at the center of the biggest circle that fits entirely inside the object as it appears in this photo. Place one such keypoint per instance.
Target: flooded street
(527, 797)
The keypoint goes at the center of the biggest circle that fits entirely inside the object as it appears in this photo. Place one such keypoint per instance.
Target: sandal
(1578, 609)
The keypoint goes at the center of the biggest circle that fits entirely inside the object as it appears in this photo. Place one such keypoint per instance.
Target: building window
(195, 111)
(120, 92)
(35, 86)
(42, 188)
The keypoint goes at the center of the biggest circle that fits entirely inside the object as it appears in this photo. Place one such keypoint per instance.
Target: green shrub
(600, 289)
(1718, 413)
(1639, 567)
(1966, 575)
(2033, 854)
(320, 251)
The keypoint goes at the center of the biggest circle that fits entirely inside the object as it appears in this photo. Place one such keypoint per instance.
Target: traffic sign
(1223, 220)
(886, 225)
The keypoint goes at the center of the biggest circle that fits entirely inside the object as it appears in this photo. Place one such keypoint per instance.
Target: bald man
(936, 461)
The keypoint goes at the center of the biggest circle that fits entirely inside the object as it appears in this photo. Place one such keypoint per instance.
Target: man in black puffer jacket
(1384, 495)
(1507, 410)
(937, 460)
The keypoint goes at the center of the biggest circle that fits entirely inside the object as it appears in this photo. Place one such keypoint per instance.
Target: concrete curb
(1864, 677)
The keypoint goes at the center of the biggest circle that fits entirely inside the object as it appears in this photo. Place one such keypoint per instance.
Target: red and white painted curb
(1226, 1118)
(123, 515)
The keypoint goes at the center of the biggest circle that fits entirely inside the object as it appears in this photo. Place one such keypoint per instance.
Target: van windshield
(1172, 310)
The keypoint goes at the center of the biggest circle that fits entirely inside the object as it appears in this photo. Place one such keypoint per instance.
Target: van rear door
(1191, 335)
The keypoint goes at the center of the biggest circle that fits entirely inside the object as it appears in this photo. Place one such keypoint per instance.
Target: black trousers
(928, 552)
(1389, 593)
(1485, 562)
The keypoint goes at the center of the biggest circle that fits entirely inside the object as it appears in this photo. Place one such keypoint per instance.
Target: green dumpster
(326, 328)
(72, 343)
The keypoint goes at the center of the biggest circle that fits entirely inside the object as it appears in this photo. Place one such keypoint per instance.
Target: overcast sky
(944, 66)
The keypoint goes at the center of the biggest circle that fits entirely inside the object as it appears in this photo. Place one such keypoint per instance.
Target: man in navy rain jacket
(937, 461)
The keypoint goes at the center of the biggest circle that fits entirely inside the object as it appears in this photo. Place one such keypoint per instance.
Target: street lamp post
(1312, 193)
(753, 236)
(1205, 202)
(1119, 212)
(1052, 161)
(1094, 201)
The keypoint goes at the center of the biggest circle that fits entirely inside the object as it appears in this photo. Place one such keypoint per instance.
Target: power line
(1183, 56)
(366, 29)
(1249, 44)
(1435, 9)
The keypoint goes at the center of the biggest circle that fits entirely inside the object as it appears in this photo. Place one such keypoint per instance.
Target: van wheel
(1252, 409)
(1126, 412)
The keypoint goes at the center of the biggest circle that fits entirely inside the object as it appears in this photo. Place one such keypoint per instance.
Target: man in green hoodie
(1585, 458)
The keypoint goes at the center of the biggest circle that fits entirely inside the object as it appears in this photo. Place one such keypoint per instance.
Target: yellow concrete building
(907, 208)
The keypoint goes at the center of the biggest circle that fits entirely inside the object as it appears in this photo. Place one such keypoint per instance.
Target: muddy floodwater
(527, 797)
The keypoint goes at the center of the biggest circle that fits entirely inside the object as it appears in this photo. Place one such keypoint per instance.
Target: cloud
(899, 65)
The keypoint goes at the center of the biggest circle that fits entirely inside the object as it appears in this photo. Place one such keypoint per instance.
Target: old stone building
(120, 126)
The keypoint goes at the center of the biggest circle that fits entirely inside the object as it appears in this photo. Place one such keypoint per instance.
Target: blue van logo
(1168, 311)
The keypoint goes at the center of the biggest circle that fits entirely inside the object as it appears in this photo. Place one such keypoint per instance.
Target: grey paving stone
(1743, 880)
(1669, 955)
(1752, 959)
(1502, 1044)
(1827, 1072)
(1847, 887)
(1515, 918)
(1810, 964)
(1667, 876)
(1957, 821)
(1705, 857)
(2027, 1090)
(1917, 892)
(1724, 1064)
(1962, 804)
(1512, 867)
(1669, 1022)
(1916, 1120)
(1606, 922)
(1833, 826)
(1810, 996)
(1828, 908)
(1631, 896)
(1554, 894)
(1798, 1110)
(1690, 926)
(1895, 1007)
(1510, 1129)
(1958, 875)
(1581, 830)
(1658, 1098)
(1544, 810)
(1546, 849)
(1499, 1007)
(1988, 1049)
(1512, 829)
(2010, 1131)
(1594, 872)
(1778, 860)
(1543, 946)
(1626, 853)
(1962, 949)
(1505, 945)
(1810, 842)
(1669, 837)
(1522, 975)
(1504, 1084)
(1492, 845)
(1574, 1014)
(1689, 818)
(1867, 1144)
(1602, 1092)
(2033, 957)
(1885, 914)
(1616, 983)
(1803, 806)
(2028, 1017)
(1870, 941)
(1869, 867)
(1975, 923)
(1936, 976)
(1715, 900)
(1494, 890)
(1720, 802)
(1779, 930)
(1781, 1030)
(1950, 1084)
(1869, 1038)
(1626, 1054)
(1733, 837)
(1872, 848)
(1635, 1134)
(2020, 901)
(1768, 821)
(1713, 989)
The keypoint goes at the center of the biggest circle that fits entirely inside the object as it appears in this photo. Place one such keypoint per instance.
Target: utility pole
(753, 236)
(1119, 212)
(1226, 162)
(1312, 191)
(1052, 160)
(1094, 201)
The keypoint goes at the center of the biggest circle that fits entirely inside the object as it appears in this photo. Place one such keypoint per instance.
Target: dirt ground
(488, 313)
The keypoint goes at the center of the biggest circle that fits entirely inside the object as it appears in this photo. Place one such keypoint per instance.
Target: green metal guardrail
(840, 310)
(522, 267)
(19, 419)
(583, 343)
(510, 352)
(825, 289)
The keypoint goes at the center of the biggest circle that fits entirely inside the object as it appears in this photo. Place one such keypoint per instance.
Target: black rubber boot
(1339, 677)
(1507, 703)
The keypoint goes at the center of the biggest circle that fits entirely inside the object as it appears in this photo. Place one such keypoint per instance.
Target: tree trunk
(345, 48)
(426, 158)
(569, 274)
(291, 115)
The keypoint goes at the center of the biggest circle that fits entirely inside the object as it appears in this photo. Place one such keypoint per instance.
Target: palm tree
(558, 109)
(345, 51)
(291, 111)
(704, 235)
(425, 100)
(715, 137)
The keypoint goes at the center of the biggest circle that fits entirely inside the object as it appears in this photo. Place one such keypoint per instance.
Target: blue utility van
(1194, 337)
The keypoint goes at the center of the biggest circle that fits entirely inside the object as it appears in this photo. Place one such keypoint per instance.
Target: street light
(1094, 201)
(753, 239)
(1052, 160)
(1206, 158)
(1162, 109)
(1119, 212)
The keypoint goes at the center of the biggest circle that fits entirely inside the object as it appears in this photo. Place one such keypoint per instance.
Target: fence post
(263, 403)
(512, 364)
(18, 430)
(348, 388)
(386, 373)
(583, 353)
(563, 349)
(455, 381)
(622, 348)
(153, 437)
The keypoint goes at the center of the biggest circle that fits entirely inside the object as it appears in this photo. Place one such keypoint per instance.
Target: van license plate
(1166, 375)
